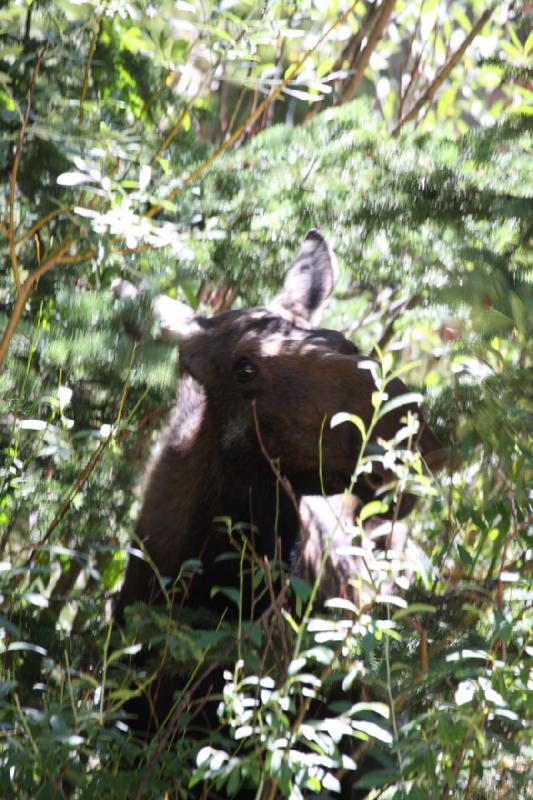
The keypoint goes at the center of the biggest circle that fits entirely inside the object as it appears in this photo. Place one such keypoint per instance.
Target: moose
(249, 437)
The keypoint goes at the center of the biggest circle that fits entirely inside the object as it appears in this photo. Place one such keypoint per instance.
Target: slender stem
(427, 96)
(56, 212)
(382, 21)
(402, 95)
(105, 664)
(351, 53)
(94, 459)
(390, 696)
(59, 257)
(25, 725)
(87, 73)
(14, 171)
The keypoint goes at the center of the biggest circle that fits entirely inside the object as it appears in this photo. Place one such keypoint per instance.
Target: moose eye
(244, 369)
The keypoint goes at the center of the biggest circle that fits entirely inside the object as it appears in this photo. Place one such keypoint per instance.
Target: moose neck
(200, 503)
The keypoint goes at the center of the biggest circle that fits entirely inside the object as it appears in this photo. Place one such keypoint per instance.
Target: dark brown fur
(211, 464)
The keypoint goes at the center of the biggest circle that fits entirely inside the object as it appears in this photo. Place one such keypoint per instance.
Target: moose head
(254, 407)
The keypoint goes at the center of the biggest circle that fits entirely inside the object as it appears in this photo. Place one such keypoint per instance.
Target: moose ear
(177, 321)
(309, 281)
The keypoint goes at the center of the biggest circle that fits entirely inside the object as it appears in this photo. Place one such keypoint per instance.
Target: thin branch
(268, 116)
(176, 128)
(349, 53)
(457, 764)
(282, 480)
(207, 78)
(59, 257)
(172, 722)
(167, 81)
(236, 109)
(87, 73)
(388, 333)
(14, 171)
(402, 94)
(56, 212)
(169, 138)
(427, 96)
(361, 64)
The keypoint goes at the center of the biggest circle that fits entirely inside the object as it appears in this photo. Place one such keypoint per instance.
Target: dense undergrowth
(429, 688)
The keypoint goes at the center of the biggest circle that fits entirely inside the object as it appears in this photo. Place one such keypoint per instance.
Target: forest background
(188, 147)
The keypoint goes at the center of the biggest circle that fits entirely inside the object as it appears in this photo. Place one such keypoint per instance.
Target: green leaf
(32, 648)
(461, 18)
(372, 509)
(466, 558)
(36, 599)
(378, 777)
(301, 588)
(339, 418)
(131, 650)
(414, 608)
(401, 400)
(371, 729)
(229, 592)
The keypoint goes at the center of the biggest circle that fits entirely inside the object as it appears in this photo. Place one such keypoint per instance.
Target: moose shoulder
(251, 407)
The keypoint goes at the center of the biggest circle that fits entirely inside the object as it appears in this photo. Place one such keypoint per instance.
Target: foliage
(133, 142)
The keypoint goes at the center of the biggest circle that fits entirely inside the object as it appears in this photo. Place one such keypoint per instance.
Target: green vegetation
(188, 147)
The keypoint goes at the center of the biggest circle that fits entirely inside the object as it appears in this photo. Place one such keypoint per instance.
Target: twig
(389, 330)
(522, 526)
(402, 95)
(178, 710)
(167, 81)
(429, 93)
(87, 73)
(41, 222)
(14, 171)
(236, 109)
(361, 64)
(457, 764)
(59, 257)
(169, 138)
(283, 481)
(25, 725)
(349, 53)
(93, 461)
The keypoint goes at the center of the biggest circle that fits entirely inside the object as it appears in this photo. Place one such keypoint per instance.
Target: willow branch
(398, 312)
(89, 468)
(87, 73)
(14, 171)
(350, 53)
(56, 212)
(59, 257)
(383, 17)
(179, 122)
(402, 93)
(428, 95)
